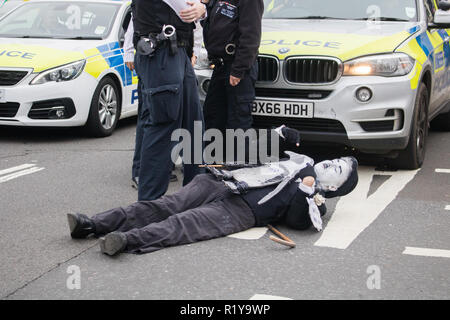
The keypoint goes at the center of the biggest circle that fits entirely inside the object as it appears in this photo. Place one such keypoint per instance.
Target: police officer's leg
(215, 107)
(192, 121)
(240, 101)
(203, 189)
(240, 105)
(156, 162)
(213, 220)
(162, 77)
(139, 135)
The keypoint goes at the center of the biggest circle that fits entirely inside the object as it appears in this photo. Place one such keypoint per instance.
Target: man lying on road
(209, 207)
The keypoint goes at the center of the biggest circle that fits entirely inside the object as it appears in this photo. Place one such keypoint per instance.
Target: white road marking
(20, 174)
(443, 170)
(250, 234)
(267, 297)
(18, 168)
(447, 207)
(439, 253)
(355, 212)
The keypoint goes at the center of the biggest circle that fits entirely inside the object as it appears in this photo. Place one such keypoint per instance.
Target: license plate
(2, 95)
(291, 109)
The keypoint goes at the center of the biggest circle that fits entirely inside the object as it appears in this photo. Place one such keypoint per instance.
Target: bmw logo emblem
(284, 50)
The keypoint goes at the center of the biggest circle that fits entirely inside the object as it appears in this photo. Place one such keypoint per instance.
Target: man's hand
(195, 12)
(234, 81)
(291, 135)
(130, 65)
(194, 60)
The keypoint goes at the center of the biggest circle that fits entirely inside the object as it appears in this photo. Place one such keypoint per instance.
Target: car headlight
(63, 73)
(385, 65)
(202, 60)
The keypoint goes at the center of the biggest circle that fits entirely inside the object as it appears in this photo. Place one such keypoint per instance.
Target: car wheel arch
(427, 79)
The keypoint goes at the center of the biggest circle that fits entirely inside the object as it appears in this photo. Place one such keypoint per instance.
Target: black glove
(291, 136)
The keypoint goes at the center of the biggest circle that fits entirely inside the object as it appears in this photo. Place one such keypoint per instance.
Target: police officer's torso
(151, 15)
(221, 27)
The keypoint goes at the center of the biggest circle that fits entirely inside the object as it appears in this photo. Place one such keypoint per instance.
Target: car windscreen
(66, 20)
(8, 6)
(383, 10)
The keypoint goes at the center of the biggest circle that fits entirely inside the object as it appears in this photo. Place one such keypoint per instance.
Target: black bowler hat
(349, 185)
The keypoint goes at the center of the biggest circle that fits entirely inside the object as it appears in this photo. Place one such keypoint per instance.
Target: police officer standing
(170, 98)
(232, 36)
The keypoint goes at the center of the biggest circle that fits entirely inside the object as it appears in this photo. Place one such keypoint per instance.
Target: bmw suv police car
(369, 74)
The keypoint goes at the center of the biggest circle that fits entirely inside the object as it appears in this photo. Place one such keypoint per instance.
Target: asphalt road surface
(389, 239)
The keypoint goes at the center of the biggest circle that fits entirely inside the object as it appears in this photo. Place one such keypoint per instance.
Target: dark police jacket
(237, 22)
(149, 16)
(289, 205)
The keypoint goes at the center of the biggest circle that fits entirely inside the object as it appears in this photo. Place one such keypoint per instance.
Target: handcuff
(147, 46)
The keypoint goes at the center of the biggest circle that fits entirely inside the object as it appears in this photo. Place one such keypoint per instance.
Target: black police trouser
(228, 107)
(204, 209)
(170, 101)
(139, 129)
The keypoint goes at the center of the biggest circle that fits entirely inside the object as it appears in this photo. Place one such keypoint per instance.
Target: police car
(5, 7)
(369, 74)
(61, 65)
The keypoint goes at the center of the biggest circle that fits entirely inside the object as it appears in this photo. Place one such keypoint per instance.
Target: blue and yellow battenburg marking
(109, 56)
(427, 46)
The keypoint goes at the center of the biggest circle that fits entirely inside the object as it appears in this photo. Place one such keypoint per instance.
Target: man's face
(332, 174)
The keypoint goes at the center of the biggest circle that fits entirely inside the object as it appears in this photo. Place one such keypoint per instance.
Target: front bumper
(380, 125)
(78, 91)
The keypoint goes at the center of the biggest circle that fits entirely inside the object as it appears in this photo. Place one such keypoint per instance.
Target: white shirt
(128, 47)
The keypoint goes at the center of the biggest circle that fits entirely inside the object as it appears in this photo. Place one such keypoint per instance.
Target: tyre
(442, 122)
(413, 156)
(105, 109)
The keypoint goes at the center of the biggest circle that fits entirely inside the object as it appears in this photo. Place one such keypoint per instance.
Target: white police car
(369, 74)
(61, 65)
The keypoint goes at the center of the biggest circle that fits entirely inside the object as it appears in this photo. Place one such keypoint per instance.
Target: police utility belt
(230, 50)
(147, 45)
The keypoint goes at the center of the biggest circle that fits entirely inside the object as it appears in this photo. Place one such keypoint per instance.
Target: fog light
(60, 113)
(205, 85)
(364, 94)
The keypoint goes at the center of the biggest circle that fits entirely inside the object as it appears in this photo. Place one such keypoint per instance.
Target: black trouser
(169, 101)
(228, 107)
(204, 209)
(139, 129)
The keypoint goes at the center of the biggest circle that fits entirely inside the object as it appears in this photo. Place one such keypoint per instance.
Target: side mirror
(441, 17)
(444, 5)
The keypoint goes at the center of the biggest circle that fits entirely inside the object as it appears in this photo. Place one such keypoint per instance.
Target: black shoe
(113, 243)
(173, 178)
(135, 183)
(80, 225)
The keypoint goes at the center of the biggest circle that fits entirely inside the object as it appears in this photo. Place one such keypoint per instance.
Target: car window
(388, 10)
(8, 6)
(125, 21)
(60, 20)
(430, 9)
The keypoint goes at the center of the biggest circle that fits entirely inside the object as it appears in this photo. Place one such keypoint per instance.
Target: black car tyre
(105, 109)
(413, 156)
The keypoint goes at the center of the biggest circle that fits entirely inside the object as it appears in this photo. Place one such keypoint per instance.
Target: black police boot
(113, 243)
(80, 225)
